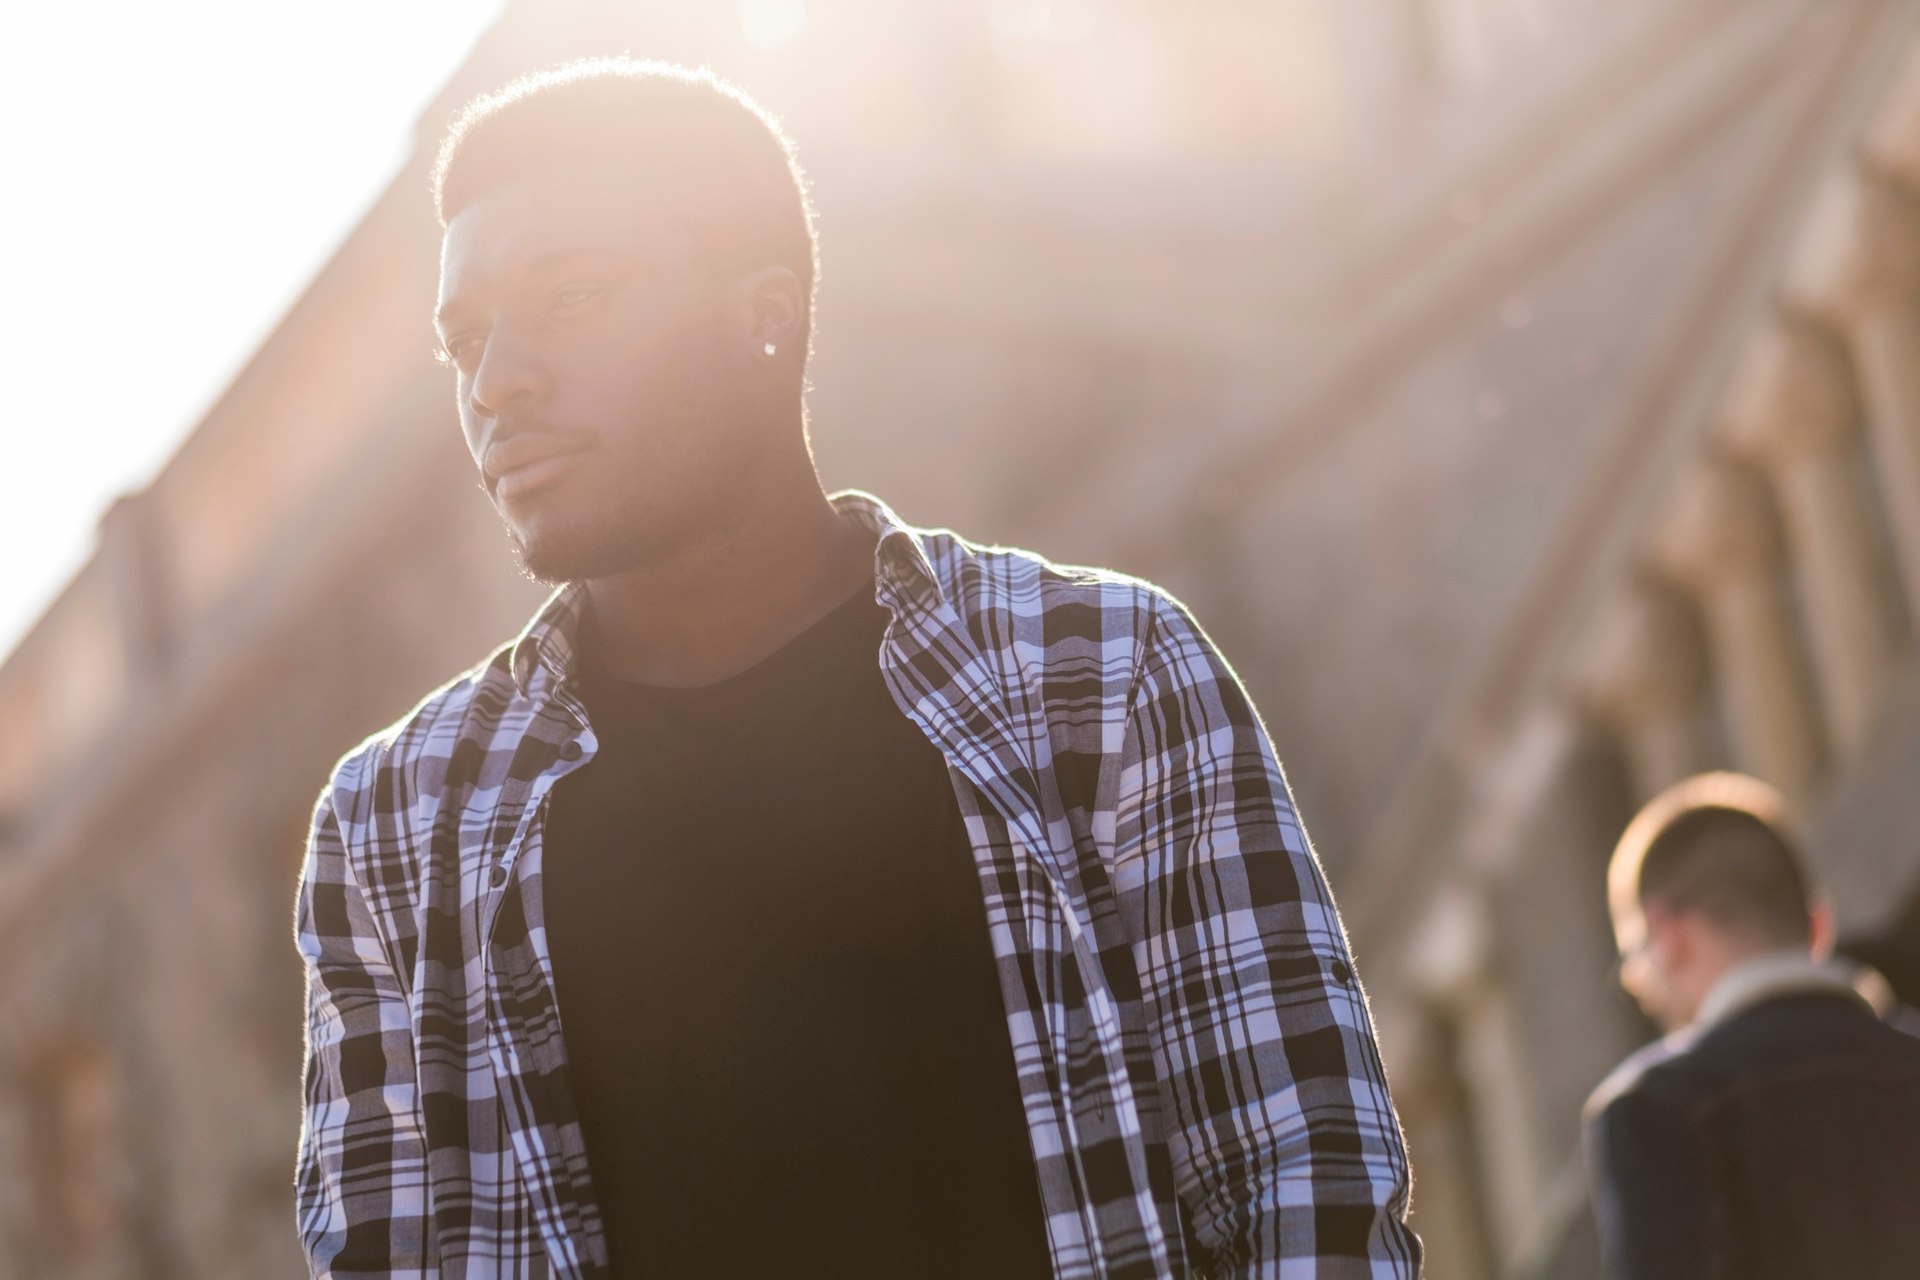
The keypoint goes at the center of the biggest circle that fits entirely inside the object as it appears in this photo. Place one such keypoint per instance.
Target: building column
(1451, 965)
(1892, 136)
(1552, 803)
(19, 1177)
(1640, 674)
(1719, 542)
(1436, 1112)
(133, 559)
(1790, 412)
(1858, 267)
(1503, 1014)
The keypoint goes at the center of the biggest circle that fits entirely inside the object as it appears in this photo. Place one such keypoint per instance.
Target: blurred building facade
(1525, 393)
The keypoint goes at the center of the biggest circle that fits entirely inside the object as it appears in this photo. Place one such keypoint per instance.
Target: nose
(508, 376)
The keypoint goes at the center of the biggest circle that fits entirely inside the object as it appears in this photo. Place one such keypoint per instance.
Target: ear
(1670, 937)
(1820, 928)
(773, 313)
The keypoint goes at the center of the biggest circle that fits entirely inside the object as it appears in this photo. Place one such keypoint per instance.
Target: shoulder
(1642, 1072)
(1905, 1019)
(1804, 1033)
(415, 751)
(1011, 597)
(977, 576)
(1022, 595)
(1813, 1033)
(1642, 1117)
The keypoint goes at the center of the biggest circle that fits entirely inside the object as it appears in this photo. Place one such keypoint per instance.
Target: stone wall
(1396, 401)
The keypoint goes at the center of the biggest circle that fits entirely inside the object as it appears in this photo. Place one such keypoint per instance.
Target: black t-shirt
(779, 999)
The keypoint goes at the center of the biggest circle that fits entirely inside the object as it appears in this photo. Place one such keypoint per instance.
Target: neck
(721, 603)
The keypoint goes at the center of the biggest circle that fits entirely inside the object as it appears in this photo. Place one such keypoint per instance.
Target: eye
(572, 296)
(458, 350)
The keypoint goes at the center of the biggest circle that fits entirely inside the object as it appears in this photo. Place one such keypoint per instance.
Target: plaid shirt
(1194, 1054)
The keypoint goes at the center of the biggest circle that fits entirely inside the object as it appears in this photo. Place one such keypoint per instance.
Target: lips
(522, 463)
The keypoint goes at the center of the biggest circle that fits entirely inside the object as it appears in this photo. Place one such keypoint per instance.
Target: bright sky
(175, 173)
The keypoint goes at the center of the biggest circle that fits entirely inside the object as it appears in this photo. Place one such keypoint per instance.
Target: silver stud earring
(768, 348)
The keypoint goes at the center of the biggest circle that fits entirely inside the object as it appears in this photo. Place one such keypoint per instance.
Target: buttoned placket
(1012, 789)
(575, 750)
(540, 1167)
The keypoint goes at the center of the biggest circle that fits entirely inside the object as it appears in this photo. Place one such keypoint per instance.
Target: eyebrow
(540, 265)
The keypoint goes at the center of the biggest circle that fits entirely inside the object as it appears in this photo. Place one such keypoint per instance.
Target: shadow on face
(605, 375)
(1639, 972)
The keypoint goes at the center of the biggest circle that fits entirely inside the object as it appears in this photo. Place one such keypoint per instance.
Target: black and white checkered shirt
(1194, 1053)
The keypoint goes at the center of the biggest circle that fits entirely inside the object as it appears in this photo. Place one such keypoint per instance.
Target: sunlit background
(176, 173)
(1524, 393)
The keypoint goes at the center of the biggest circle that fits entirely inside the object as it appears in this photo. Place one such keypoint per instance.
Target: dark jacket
(1782, 1142)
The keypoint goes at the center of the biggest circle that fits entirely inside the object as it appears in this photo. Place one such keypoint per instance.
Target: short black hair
(1719, 844)
(721, 151)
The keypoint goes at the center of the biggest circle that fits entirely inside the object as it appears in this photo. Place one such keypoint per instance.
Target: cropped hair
(719, 158)
(1721, 845)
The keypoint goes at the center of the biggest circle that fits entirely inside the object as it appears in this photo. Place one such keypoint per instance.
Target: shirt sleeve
(1287, 1152)
(360, 1183)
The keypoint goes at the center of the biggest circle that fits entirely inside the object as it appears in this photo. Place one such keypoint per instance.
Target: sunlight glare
(195, 164)
(1027, 22)
(772, 24)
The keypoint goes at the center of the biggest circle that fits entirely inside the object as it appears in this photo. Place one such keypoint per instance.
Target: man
(1775, 1132)
(802, 893)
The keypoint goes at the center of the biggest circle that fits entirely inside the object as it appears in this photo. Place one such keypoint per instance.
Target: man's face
(1640, 970)
(600, 384)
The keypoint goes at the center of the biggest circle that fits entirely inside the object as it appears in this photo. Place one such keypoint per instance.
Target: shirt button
(570, 749)
(498, 876)
(1341, 973)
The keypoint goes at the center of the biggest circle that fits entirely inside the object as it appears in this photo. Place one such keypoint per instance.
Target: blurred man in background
(1775, 1132)
(802, 893)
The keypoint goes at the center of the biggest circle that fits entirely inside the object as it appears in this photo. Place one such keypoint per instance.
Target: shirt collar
(901, 553)
(901, 563)
(1768, 977)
